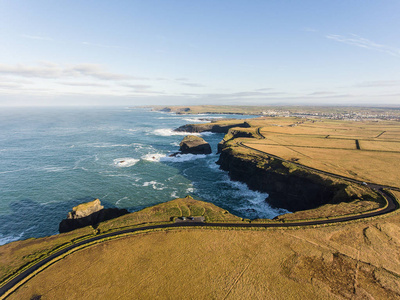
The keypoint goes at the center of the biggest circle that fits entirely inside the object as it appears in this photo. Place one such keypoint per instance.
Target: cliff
(288, 186)
(217, 127)
(89, 214)
(194, 145)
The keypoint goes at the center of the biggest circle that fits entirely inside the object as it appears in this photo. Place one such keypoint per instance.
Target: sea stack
(89, 213)
(194, 145)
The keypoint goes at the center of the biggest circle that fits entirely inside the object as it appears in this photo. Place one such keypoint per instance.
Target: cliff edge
(89, 214)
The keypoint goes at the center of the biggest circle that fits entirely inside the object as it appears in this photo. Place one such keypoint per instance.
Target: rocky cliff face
(89, 214)
(194, 145)
(288, 187)
(217, 128)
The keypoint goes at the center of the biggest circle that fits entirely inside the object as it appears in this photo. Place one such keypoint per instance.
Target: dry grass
(331, 146)
(17, 254)
(315, 263)
(378, 167)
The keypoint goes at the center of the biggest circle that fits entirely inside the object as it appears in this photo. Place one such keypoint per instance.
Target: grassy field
(349, 261)
(262, 109)
(358, 260)
(367, 151)
(15, 255)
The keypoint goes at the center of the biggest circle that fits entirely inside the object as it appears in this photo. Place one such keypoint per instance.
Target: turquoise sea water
(53, 159)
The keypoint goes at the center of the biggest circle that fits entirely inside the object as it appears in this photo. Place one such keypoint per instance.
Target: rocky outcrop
(194, 145)
(90, 213)
(212, 127)
(232, 134)
(288, 187)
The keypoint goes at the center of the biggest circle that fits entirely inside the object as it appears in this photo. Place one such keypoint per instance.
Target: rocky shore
(90, 213)
(194, 145)
(288, 187)
(216, 127)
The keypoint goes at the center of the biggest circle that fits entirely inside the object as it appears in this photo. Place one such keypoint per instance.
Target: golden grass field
(261, 109)
(348, 261)
(331, 146)
(17, 254)
(356, 260)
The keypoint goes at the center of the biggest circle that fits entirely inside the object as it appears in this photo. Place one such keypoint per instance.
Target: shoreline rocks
(89, 214)
(288, 187)
(194, 145)
(212, 127)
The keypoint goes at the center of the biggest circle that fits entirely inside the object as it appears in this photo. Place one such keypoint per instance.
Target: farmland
(365, 151)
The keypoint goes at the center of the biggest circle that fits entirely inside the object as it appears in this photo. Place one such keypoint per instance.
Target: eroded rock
(89, 214)
(194, 145)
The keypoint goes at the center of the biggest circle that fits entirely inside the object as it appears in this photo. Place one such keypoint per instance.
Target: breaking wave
(125, 162)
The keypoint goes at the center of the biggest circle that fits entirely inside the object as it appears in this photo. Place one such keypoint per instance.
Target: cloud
(263, 89)
(192, 84)
(238, 95)
(358, 41)
(137, 86)
(379, 83)
(84, 84)
(321, 93)
(50, 71)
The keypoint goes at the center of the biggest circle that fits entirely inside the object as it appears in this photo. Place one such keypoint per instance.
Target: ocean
(52, 159)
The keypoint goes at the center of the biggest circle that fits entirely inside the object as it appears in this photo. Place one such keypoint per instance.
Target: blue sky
(199, 52)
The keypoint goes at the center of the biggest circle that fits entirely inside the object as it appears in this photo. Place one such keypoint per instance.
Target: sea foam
(125, 162)
(170, 132)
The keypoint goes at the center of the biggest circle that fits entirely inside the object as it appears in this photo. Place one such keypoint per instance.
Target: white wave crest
(153, 156)
(255, 202)
(125, 162)
(190, 190)
(156, 185)
(207, 133)
(53, 169)
(170, 132)
(109, 145)
(196, 120)
(5, 239)
(183, 157)
(119, 200)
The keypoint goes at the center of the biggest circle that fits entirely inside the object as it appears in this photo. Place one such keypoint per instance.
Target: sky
(221, 52)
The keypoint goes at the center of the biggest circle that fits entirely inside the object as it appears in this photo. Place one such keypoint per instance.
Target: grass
(331, 146)
(315, 263)
(262, 109)
(16, 255)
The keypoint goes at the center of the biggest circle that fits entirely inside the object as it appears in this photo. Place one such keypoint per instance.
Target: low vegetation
(353, 260)
(16, 255)
(347, 261)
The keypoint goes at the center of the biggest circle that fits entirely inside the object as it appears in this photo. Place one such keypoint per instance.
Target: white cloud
(51, 71)
(379, 83)
(358, 41)
(192, 84)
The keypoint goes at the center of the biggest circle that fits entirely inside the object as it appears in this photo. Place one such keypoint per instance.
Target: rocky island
(194, 145)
